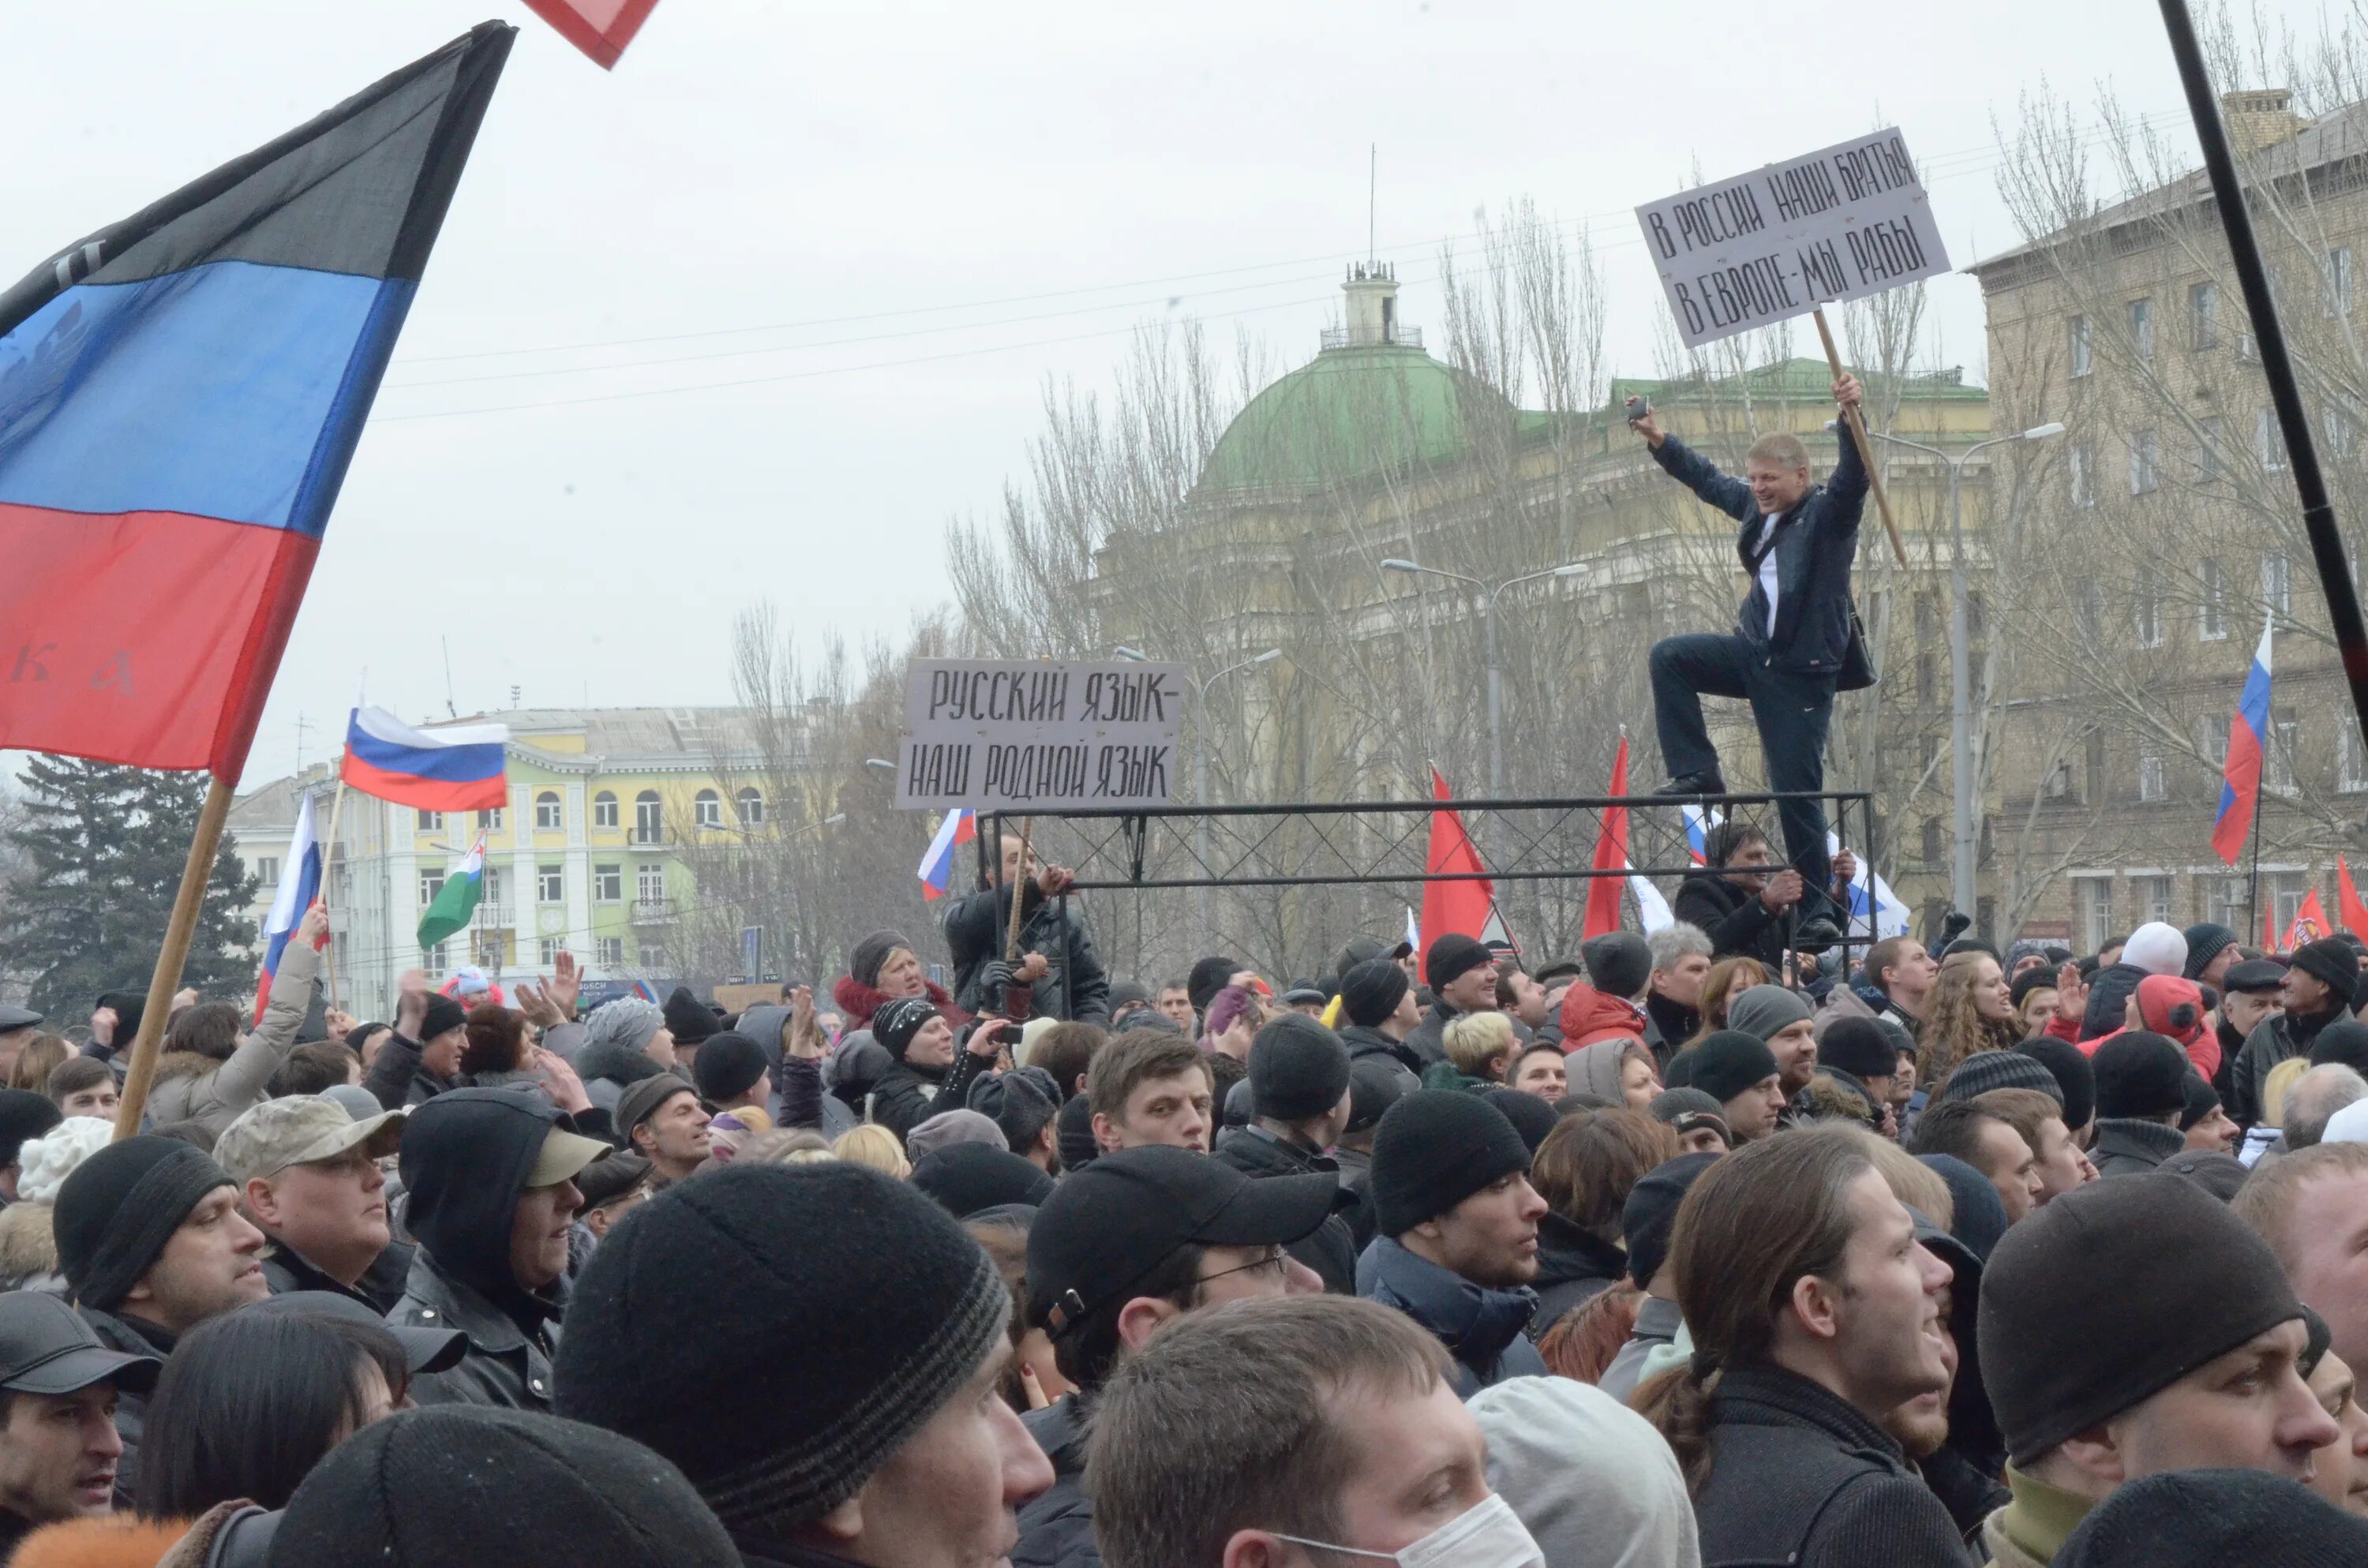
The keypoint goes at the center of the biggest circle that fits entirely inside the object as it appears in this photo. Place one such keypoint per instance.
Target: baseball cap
(564, 1154)
(1107, 1225)
(424, 1350)
(47, 1348)
(272, 1135)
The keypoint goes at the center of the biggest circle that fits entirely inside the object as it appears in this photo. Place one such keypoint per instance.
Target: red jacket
(2159, 998)
(1589, 1015)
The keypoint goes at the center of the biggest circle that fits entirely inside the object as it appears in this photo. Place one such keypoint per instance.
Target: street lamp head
(1573, 570)
(1137, 655)
(1394, 565)
(1270, 656)
(834, 818)
(2041, 432)
(881, 763)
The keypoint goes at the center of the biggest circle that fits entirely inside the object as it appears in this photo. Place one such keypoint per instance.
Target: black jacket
(1427, 1040)
(2125, 1146)
(1366, 1043)
(1481, 1327)
(2280, 1038)
(907, 1096)
(1573, 1266)
(131, 1337)
(1073, 986)
(1056, 1526)
(1799, 1477)
(378, 1288)
(1331, 1249)
(1814, 543)
(1668, 1025)
(1735, 920)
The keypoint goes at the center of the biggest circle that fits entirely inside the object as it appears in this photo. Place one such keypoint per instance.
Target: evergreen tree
(105, 846)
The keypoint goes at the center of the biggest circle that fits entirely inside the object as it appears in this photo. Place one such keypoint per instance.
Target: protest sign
(993, 735)
(1835, 225)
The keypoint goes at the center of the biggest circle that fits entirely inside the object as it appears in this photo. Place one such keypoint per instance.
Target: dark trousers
(1792, 712)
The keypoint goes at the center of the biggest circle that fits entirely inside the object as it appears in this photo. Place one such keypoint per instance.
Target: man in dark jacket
(307, 1174)
(1792, 634)
(2141, 1095)
(1741, 899)
(1132, 1242)
(2317, 989)
(1457, 1232)
(1462, 975)
(58, 1391)
(1299, 1087)
(1066, 980)
(420, 1058)
(1681, 960)
(493, 1201)
(1377, 1011)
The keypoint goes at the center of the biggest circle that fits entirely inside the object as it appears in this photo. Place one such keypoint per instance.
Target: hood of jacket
(764, 1024)
(1589, 1015)
(1595, 1068)
(2109, 991)
(1567, 1251)
(1477, 1323)
(463, 1169)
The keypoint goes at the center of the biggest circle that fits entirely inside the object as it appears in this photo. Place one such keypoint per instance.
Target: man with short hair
(1739, 1072)
(308, 1176)
(1461, 974)
(661, 1119)
(2141, 1096)
(871, 1429)
(1738, 897)
(2251, 993)
(1377, 1011)
(1680, 955)
(152, 1245)
(1456, 1232)
(1521, 999)
(59, 1388)
(2312, 1209)
(1064, 976)
(1174, 1004)
(2037, 1117)
(1299, 1103)
(2316, 990)
(1896, 980)
(1270, 1434)
(1135, 1241)
(1990, 1145)
(2313, 1100)
(2211, 952)
(83, 1087)
(2129, 1328)
(1780, 1018)
(420, 1057)
(1145, 1088)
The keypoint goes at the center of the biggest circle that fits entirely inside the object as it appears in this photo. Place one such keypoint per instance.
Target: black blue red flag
(180, 394)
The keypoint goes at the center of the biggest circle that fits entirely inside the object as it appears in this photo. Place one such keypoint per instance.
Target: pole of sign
(178, 930)
(1865, 447)
(328, 867)
(1018, 887)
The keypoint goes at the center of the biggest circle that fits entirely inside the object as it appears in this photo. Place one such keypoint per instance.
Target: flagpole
(328, 865)
(2253, 893)
(170, 957)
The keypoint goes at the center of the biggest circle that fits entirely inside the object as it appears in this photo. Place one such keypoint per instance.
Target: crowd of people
(1686, 1251)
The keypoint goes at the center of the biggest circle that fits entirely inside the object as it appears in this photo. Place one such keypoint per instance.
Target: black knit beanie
(687, 1017)
(1375, 1083)
(2204, 1518)
(443, 1015)
(2068, 1066)
(1372, 991)
(967, 1177)
(2202, 1099)
(2343, 1041)
(1073, 1133)
(1858, 1047)
(1729, 1062)
(472, 1484)
(1299, 1069)
(1618, 963)
(1434, 1149)
(117, 1210)
(2331, 960)
(727, 1065)
(2112, 1293)
(1452, 955)
(1531, 1115)
(863, 961)
(895, 1024)
(1208, 976)
(1652, 1209)
(2204, 943)
(2140, 1075)
(871, 1304)
(24, 1114)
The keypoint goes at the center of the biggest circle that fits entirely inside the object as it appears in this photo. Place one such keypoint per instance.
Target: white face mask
(1488, 1535)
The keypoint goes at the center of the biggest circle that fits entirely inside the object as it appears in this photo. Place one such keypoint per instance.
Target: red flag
(2349, 908)
(602, 29)
(2309, 922)
(1610, 856)
(1460, 906)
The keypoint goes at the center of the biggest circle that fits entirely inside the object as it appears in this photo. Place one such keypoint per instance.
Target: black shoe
(1815, 936)
(1694, 784)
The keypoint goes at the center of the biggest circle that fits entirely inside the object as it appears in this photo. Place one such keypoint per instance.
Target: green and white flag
(457, 899)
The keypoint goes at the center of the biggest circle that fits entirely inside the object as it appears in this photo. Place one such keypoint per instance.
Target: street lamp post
(1201, 759)
(1960, 717)
(1488, 632)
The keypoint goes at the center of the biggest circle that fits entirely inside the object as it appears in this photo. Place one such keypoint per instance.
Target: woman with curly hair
(1972, 1010)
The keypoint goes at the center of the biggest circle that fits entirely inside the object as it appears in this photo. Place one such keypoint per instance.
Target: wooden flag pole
(178, 931)
(1865, 447)
(328, 869)
(1018, 889)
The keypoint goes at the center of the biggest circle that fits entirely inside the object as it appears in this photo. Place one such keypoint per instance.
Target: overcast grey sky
(893, 224)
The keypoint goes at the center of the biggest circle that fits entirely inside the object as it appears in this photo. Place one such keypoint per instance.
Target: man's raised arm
(1693, 470)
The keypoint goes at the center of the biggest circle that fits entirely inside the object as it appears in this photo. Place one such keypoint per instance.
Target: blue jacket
(1814, 543)
(1481, 1328)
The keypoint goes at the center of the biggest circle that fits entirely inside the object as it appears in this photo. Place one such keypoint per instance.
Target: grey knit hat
(1988, 1070)
(1764, 1010)
(628, 1022)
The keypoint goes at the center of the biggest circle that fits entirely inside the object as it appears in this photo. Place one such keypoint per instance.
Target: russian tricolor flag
(454, 769)
(1698, 826)
(960, 827)
(299, 885)
(2248, 739)
(180, 394)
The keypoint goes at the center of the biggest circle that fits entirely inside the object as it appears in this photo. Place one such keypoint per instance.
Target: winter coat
(192, 1088)
(2280, 1038)
(1575, 1265)
(1482, 1328)
(1737, 923)
(28, 1251)
(1667, 1026)
(1366, 1043)
(465, 1175)
(1056, 1526)
(1799, 1476)
(908, 1095)
(397, 1079)
(1857, 1002)
(857, 1003)
(1656, 1325)
(1589, 1015)
(2109, 990)
(1427, 1040)
(1813, 544)
(2128, 1147)
(235, 1534)
(131, 1337)
(1970, 1493)
(977, 928)
(1331, 1248)
(378, 1288)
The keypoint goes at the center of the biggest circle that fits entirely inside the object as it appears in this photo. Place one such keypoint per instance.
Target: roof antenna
(449, 707)
(1373, 186)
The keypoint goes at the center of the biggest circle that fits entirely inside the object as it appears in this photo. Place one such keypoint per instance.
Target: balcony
(654, 912)
(494, 914)
(1397, 336)
(646, 838)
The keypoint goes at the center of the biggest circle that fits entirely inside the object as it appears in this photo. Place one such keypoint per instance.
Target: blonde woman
(1972, 1009)
(873, 1145)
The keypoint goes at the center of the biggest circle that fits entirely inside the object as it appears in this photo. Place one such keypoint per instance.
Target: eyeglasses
(1276, 1263)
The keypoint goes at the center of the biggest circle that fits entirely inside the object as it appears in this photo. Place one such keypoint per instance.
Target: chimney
(2259, 119)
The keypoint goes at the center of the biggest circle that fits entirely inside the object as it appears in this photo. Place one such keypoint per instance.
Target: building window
(2268, 441)
(547, 813)
(430, 885)
(2093, 898)
(2090, 618)
(2150, 898)
(707, 809)
(2059, 781)
(2142, 328)
(2225, 904)
(2154, 783)
(266, 869)
(609, 952)
(2145, 462)
(752, 807)
(2277, 584)
(432, 959)
(607, 884)
(2080, 467)
(550, 885)
(649, 818)
(2282, 892)
(2081, 362)
(653, 959)
(2203, 316)
(2207, 451)
(2149, 613)
(1933, 852)
(2211, 600)
(649, 883)
(604, 810)
(2338, 300)
(546, 951)
(490, 821)
(2350, 765)
(2278, 767)
(431, 822)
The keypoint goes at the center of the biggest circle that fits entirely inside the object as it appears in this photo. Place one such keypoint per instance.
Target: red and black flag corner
(180, 394)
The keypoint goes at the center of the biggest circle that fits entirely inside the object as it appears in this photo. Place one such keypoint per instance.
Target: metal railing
(1396, 338)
